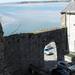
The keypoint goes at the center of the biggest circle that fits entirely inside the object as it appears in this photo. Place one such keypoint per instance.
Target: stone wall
(20, 50)
(1, 50)
(1, 47)
(63, 20)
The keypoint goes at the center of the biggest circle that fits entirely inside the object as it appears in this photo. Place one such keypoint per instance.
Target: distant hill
(44, 1)
(26, 2)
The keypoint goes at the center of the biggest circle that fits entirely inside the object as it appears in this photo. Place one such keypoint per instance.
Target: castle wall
(20, 50)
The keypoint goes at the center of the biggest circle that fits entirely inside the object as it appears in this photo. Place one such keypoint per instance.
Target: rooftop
(69, 7)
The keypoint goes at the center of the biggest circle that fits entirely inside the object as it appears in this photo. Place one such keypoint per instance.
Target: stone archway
(52, 47)
(50, 60)
(28, 48)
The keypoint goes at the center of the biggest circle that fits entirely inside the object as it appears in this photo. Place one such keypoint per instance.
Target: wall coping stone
(40, 31)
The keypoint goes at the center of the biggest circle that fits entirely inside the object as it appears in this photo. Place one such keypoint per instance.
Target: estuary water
(31, 18)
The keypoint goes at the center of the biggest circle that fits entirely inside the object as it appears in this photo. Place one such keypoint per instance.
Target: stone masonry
(21, 50)
(1, 49)
(63, 19)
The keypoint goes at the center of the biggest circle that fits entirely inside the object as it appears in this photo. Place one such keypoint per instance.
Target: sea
(31, 18)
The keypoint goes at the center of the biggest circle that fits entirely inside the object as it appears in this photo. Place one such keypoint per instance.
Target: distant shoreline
(5, 19)
(27, 4)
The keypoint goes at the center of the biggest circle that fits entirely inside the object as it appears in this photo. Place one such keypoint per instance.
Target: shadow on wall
(67, 42)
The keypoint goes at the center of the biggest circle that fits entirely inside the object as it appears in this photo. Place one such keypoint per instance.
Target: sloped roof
(69, 7)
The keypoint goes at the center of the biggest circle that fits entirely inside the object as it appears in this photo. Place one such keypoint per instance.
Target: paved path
(51, 61)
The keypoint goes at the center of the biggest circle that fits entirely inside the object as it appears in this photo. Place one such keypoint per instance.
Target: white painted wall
(71, 31)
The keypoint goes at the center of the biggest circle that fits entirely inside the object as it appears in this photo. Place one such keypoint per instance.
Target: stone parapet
(21, 50)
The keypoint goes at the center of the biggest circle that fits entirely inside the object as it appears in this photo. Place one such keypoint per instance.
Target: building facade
(68, 20)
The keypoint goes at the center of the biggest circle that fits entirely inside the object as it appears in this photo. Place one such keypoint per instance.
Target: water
(32, 18)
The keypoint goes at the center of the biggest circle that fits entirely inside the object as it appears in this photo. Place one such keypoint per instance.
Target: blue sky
(5, 1)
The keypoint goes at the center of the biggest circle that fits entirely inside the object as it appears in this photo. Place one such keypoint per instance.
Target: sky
(6, 1)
